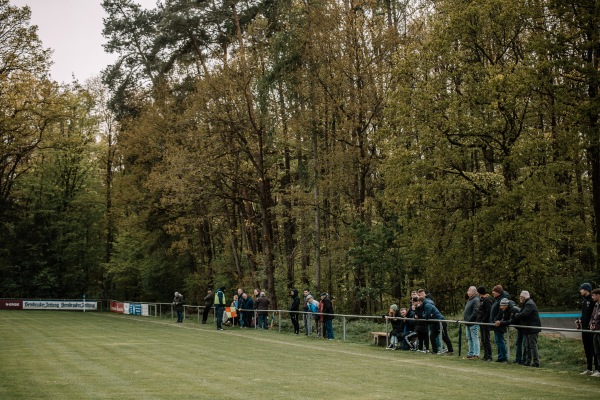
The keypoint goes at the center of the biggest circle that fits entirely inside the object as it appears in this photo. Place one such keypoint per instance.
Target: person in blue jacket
(427, 310)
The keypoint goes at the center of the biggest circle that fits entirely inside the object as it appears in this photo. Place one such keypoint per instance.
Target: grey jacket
(472, 309)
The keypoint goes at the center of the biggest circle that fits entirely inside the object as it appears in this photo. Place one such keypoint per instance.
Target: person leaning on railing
(595, 326)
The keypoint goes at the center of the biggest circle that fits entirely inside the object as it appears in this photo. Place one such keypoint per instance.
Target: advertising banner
(11, 304)
(135, 309)
(117, 307)
(59, 305)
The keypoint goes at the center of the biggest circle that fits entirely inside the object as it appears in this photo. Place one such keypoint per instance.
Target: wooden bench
(379, 338)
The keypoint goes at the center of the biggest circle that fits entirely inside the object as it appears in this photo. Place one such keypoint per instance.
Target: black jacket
(485, 308)
(327, 309)
(587, 306)
(529, 316)
(496, 312)
(295, 304)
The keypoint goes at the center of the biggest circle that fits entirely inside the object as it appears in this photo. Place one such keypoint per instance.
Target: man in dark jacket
(587, 306)
(209, 300)
(427, 310)
(496, 315)
(327, 315)
(178, 304)
(485, 306)
(508, 309)
(220, 303)
(262, 306)
(294, 308)
(529, 316)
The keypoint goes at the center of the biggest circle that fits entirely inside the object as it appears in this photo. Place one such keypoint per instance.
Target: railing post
(508, 344)
(279, 318)
(459, 338)
(344, 322)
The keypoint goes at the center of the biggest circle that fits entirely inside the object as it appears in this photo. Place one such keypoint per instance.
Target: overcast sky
(73, 29)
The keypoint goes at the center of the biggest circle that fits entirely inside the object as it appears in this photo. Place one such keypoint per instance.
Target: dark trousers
(588, 347)
(533, 357)
(219, 315)
(205, 313)
(484, 334)
(435, 331)
(294, 318)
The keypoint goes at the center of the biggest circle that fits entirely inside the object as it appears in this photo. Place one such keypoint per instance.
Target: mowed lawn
(94, 355)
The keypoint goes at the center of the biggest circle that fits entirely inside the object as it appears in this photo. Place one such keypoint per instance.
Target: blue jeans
(473, 340)
(263, 321)
(501, 344)
(179, 315)
(329, 329)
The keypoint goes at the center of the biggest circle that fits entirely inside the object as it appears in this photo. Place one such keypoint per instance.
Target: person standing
(470, 314)
(529, 316)
(429, 311)
(178, 304)
(307, 317)
(262, 308)
(294, 308)
(587, 307)
(508, 310)
(220, 307)
(485, 306)
(209, 299)
(595, 326)
(496, 315)
(327, 316)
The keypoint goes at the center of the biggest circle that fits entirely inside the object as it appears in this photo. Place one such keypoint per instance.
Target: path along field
(94, 355)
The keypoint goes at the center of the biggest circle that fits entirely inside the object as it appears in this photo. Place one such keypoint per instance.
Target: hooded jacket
(295, 304)
(496, 312)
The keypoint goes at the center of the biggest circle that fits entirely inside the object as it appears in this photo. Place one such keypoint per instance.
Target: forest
(359, 147)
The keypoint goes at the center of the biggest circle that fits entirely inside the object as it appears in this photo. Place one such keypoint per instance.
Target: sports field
(94, 355)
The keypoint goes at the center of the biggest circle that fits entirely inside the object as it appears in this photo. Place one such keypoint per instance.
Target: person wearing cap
(508, 309)
(485, 306)
(327, 316)
(397, 327)
(178, 304)
(595, 326)
(587, 306)
(530, 317)
(470, 314)
(496, 315)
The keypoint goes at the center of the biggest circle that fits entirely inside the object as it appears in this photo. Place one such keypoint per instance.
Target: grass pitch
(94, 355)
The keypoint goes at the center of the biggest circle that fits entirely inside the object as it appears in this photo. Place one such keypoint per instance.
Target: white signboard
(58, 305)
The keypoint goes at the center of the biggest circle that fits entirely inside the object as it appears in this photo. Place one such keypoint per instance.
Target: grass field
(68, 355)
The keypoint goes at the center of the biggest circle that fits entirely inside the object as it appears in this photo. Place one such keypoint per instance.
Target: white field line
(429, 362)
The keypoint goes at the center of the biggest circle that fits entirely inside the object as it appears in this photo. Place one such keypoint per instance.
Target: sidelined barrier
(277, 317)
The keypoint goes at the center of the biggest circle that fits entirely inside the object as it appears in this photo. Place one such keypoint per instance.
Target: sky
(73, 30)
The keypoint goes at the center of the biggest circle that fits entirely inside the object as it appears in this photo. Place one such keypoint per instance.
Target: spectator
(587, 306)
(247, 315)
(485, 306)
(529, 316)
(220, 307)
(397, 327)
(294, 308)
(240, 306)
(327, 315)
(262, 307)
(313, 307)
(430, 311)
(209, 299)
(308, 319)
(178, 304)
(407, 328)
(470, 314)
(508, 309)
(233, 307)
(496, 315)
(595, 326)
(421, 326)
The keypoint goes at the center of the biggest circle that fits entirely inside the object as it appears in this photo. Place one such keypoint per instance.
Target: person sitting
(397, 327)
